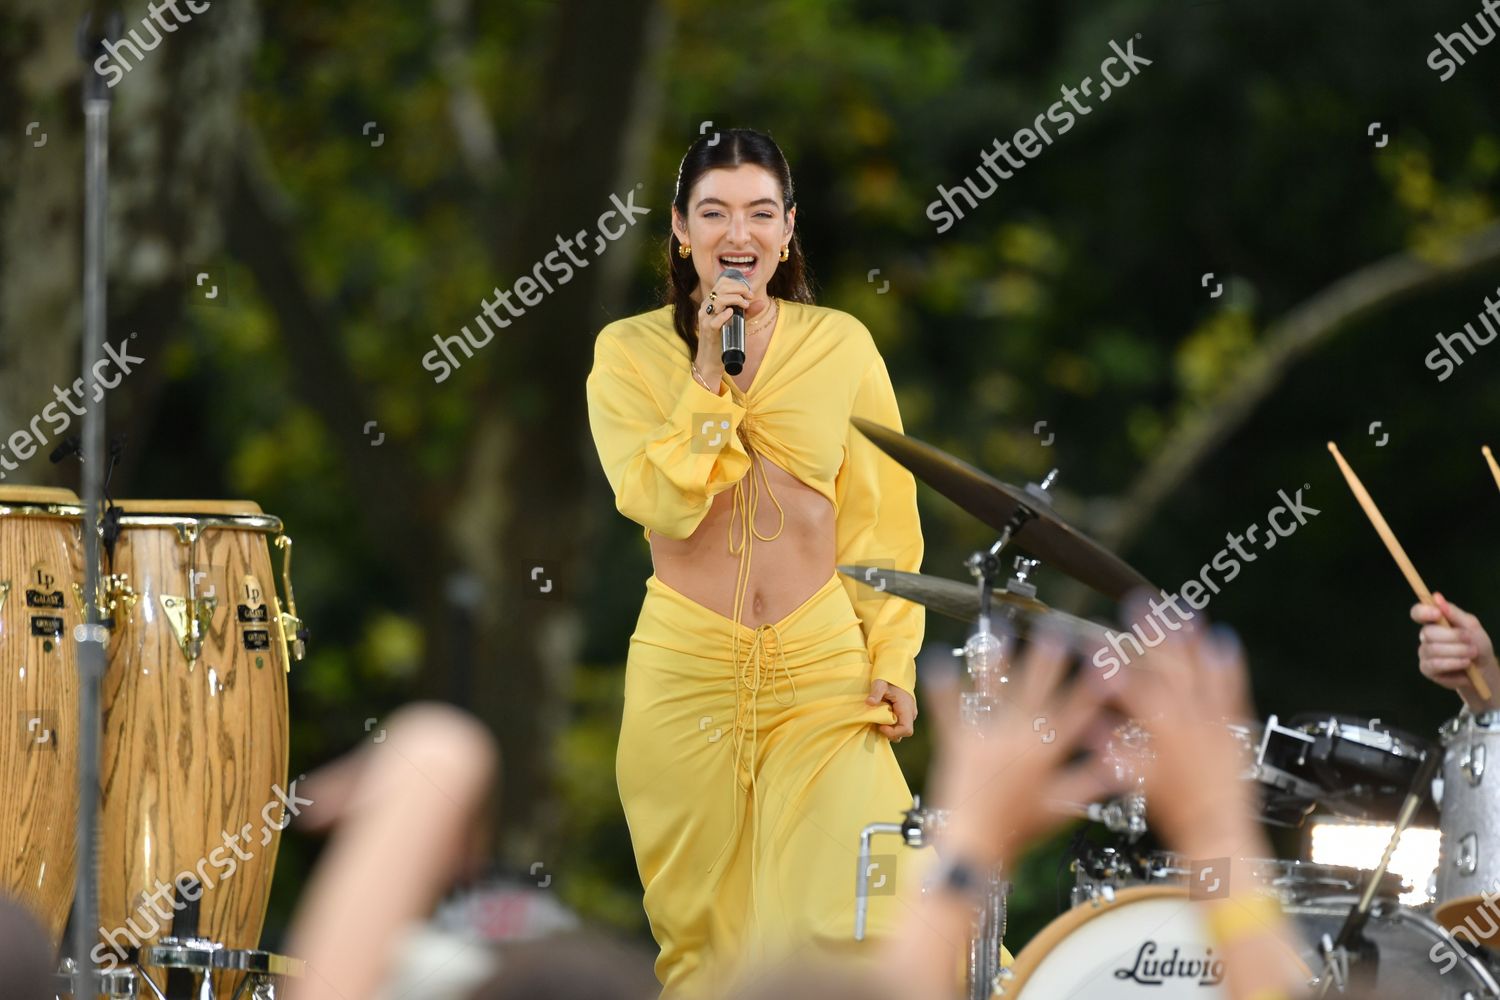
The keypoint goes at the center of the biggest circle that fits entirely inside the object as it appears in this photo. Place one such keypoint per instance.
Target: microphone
(70, 446)
(733, 332)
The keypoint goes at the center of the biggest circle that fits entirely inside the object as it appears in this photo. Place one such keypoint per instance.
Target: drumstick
(1399, 554)
(1490, 458)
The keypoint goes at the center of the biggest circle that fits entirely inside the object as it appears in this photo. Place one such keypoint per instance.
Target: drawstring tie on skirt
(764, 659)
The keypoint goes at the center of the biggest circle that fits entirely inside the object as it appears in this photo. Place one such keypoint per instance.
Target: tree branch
(1305, 327)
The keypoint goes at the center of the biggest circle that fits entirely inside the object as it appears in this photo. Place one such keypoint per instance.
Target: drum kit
(1135, 926)
(193, 791)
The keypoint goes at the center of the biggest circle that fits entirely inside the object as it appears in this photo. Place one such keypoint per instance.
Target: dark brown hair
(735, 146)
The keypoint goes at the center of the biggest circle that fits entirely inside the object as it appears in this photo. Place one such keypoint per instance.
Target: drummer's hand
(902, 703)
(1185, 692)
(1444, 653)
(1006, 777)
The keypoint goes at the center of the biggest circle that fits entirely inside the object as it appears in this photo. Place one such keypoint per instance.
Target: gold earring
(785, 253)
(684, 251)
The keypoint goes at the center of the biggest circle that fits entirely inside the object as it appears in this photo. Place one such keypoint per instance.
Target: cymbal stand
(987, 657)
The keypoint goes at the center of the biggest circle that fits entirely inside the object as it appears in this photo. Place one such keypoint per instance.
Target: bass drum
(194, 774)
(1151, 942)
(41, 583)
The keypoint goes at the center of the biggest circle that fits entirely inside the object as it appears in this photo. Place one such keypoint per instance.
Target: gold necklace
(756, 327)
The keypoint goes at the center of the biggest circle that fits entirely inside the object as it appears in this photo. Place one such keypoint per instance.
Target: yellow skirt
(746, 795)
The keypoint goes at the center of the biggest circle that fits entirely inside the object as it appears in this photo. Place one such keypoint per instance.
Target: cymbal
(1045, 536)
(1012, 614)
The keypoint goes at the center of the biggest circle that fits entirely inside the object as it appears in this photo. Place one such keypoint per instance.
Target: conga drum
(194, 790)
(41, 578)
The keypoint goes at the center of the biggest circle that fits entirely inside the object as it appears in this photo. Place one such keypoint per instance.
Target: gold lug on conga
(291, 625)
(98, 605)
(4, 593)
(189, 627)
(117, 591)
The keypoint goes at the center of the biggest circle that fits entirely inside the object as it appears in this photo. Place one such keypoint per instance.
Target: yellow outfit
(776, 714)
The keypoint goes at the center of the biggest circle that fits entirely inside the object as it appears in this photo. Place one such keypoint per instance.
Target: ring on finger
(710, 309)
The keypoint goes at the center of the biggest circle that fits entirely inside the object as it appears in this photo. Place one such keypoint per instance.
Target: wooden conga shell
(194, 750)
(41, 561)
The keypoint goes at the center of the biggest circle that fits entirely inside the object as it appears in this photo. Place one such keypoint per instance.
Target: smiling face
(735, 220)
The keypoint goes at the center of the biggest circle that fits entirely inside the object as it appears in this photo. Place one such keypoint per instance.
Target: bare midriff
(788, 556)
(786, 570)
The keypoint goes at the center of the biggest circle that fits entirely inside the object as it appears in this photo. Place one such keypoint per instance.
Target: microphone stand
(91, 636)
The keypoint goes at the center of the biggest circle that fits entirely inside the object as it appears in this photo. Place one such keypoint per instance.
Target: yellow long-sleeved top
(669, 446)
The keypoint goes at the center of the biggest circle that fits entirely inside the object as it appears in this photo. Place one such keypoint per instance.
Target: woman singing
(761, 695)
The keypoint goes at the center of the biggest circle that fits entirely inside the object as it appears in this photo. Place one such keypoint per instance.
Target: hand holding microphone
(721, 333)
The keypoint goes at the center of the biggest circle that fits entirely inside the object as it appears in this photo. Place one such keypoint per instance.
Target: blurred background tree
(356, 178)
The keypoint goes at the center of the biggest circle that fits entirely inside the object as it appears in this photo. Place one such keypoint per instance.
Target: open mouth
(744, 263)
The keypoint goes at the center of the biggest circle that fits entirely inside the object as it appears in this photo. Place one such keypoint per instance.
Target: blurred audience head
(586, 966)
(26, 954)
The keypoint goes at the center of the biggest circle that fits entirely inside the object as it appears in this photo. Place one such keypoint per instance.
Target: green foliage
(1072, 295)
